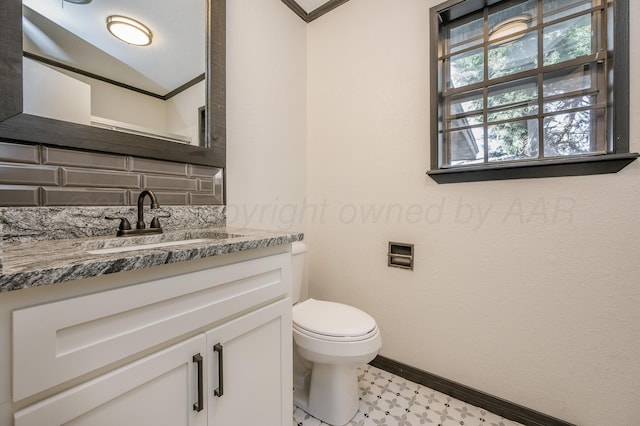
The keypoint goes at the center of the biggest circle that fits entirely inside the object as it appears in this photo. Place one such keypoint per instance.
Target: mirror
(21, 121)
(76, 70)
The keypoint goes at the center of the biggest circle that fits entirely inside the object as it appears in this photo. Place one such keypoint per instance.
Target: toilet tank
(298, 255)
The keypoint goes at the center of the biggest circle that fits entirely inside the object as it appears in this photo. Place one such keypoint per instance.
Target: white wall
(124, 105)
(182, 112)
(525, 289)
(266, 115)
(176, 116)
(47, 92)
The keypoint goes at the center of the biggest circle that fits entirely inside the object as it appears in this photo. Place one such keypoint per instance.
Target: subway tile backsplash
(53, 196)
(68, 157)
(99, 178)
(18, 196)
(28, 154)
(170, 183)
(13, 174)
(146, 165)
(38, 175)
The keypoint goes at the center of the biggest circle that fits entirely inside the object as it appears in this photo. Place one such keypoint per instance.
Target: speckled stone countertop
(37, 263)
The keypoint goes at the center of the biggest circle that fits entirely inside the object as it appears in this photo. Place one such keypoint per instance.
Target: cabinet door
(250, 371)
(160, 389)
(60, 341)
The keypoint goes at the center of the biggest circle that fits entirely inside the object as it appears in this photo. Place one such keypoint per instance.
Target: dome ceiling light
(129, 30)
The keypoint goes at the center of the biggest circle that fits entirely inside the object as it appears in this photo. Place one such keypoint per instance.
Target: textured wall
(36, 175)
(525, 289)
(266, 116)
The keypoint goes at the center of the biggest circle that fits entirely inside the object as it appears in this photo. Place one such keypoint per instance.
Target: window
(529, 88)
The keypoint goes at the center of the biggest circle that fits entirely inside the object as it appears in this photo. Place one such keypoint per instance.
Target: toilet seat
(335, 338)
(333, 321)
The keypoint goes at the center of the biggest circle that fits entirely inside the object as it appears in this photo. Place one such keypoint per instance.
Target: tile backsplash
(39, 175)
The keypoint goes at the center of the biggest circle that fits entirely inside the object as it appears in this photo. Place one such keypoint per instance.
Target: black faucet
(154, 205)
(141, 227)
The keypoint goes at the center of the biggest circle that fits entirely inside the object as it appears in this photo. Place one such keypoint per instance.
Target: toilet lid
(332, 319)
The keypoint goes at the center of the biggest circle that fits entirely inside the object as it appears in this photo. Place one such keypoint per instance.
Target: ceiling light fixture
(129, 30)
(78, 1)
(508, 27)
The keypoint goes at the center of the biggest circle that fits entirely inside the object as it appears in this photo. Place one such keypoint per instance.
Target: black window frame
(615, 159)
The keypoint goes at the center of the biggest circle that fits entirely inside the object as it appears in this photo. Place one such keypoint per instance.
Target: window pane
(568, 80)
(512, 92)
(466, 68)
(466, 35)
(556, 9)
(513, 57)
(465, 146)
(567, 40)
(471, 120)
(513, 141)
(509, 113)
(527, 10)
(570, 134)
(516, 95)
(569, 103)
(466, 102)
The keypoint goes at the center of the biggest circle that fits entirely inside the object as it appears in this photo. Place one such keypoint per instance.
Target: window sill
(575, 166)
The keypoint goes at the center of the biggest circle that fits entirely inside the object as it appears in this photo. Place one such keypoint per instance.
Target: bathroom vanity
(189, 333)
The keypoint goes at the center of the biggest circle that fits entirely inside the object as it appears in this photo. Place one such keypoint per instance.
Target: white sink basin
(149, 246)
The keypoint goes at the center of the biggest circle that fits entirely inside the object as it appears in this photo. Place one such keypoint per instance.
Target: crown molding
(315, 14)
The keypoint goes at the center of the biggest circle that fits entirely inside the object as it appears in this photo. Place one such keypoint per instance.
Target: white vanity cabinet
(210, 345)
(159, 389)
(255, 369)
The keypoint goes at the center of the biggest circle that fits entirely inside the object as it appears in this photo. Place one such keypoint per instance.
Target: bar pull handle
(198, 406)
(219, 391)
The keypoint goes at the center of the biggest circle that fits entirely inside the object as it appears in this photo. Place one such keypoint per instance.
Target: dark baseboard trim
(498, 406)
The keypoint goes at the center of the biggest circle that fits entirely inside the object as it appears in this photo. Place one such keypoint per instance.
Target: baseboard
(501, 407)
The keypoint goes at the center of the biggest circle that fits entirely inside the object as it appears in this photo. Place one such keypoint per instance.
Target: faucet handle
(125, 225)
(155, 222)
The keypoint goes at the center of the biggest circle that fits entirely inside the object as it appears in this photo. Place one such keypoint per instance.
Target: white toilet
(330, 341)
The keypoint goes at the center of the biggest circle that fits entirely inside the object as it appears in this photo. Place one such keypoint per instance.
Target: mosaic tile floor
(386, 399)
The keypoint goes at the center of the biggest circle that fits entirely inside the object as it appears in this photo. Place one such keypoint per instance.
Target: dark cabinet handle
(220, 390)
(198, 406)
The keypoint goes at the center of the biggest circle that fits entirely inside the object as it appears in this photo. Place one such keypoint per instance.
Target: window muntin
(536, 92)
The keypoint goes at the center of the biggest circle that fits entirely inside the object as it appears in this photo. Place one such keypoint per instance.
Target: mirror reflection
(76, 70)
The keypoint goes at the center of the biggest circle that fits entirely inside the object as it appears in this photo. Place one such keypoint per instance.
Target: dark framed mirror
(16, 125)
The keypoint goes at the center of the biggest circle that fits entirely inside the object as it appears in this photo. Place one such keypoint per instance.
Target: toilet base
(332, 394)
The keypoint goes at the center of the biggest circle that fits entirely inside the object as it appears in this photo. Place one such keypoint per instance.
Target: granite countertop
(32, 264)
